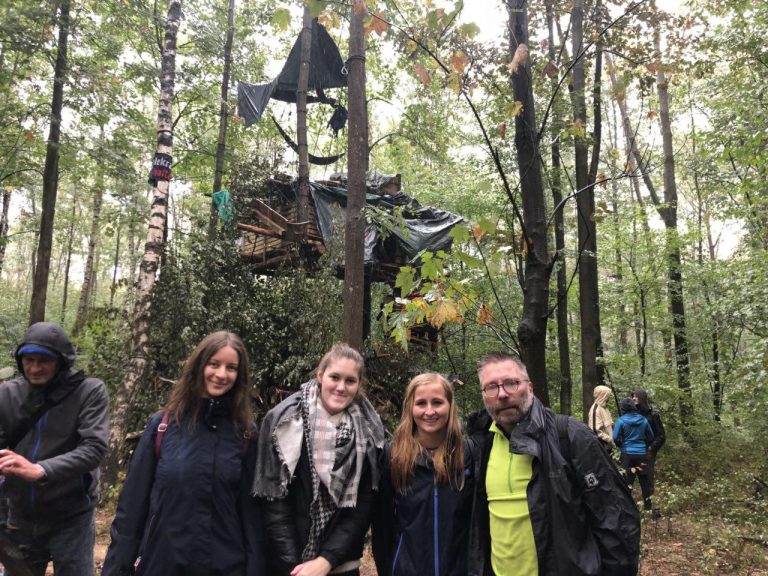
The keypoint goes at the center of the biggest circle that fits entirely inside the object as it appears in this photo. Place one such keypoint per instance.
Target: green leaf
(316, 7)
(487, 226)
(470, 29)
(468, 260)
(281, 19)
(404, 280)
(460, 234)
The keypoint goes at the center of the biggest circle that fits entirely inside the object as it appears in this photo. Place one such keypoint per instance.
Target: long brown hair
(190, 387)
(448, 459)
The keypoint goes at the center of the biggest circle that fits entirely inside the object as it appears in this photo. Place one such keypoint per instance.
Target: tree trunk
(50, 173)
(589, 303)
(563, 344)
(93, 240)
(302, 209)
(221, 144)
(357, 152)
(669, 214)
(4, 227)
(153, 250)
(113, 287)
(70, 241)
(532, 330)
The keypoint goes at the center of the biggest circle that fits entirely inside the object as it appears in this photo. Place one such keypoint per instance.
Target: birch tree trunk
(221, 145)
(50, 174)
(357, 152)
(532, 330)
(153, 250)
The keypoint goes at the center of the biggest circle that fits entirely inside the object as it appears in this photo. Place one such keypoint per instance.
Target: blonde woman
(599, 418)
(424, 514)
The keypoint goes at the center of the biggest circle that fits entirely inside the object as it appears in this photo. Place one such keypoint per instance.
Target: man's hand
(12, 464)
(317, 567)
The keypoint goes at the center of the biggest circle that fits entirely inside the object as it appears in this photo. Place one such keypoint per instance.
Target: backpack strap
(161, 428)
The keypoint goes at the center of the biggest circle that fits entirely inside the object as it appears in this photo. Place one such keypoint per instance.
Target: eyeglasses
(510, 386)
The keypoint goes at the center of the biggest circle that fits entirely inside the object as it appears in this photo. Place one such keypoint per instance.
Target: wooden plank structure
(272, 236)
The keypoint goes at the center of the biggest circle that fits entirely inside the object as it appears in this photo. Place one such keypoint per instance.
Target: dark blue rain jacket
(427, 530)
(189, 511)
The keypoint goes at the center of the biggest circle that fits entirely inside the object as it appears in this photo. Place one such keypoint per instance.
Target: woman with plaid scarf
(317, 468)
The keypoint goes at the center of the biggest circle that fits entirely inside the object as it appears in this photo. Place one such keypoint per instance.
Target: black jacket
(69, 440)
(190, 511)
(426, 531)
(287, 523)
(659, 435)
(585, 522)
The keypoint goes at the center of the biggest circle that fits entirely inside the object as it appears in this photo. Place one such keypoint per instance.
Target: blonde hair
(448, 459)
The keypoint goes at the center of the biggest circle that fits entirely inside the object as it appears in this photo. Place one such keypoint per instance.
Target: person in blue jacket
(186, 507)
(423, 523)
(632, 434)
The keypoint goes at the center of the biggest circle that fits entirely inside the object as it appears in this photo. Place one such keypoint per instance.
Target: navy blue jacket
(427, 530)
(190, 511)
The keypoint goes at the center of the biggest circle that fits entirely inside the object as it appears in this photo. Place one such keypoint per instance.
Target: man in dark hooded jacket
(54, 426)
(550, 502)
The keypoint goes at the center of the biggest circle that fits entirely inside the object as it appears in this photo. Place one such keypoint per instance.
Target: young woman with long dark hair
(186, 507)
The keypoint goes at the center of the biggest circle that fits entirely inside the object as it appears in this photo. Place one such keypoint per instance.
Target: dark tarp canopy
(424, 227)
(326, 70)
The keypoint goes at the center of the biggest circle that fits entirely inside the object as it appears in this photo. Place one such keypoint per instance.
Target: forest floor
(672, 545)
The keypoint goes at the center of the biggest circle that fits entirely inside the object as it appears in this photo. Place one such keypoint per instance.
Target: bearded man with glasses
(549, 500)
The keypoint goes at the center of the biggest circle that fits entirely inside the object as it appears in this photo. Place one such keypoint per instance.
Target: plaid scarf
(328, 445)
(359, 440)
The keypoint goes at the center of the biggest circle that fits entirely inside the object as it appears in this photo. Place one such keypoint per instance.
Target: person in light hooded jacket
(599, 418)
(633, 435)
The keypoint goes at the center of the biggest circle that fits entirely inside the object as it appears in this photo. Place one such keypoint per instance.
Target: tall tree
(589, 301)
(532, 330)
(50, 172)
(354, 281)
(153, 250)
(89, 274)
(668, 213)
(563, 344)
(4, 225)
(70, 241)
(221, 144)
(302, 209)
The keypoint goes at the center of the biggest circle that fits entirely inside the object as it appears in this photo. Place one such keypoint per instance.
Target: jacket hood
(601, 395)
(628, 406)
(642, 400)
(52, 337)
